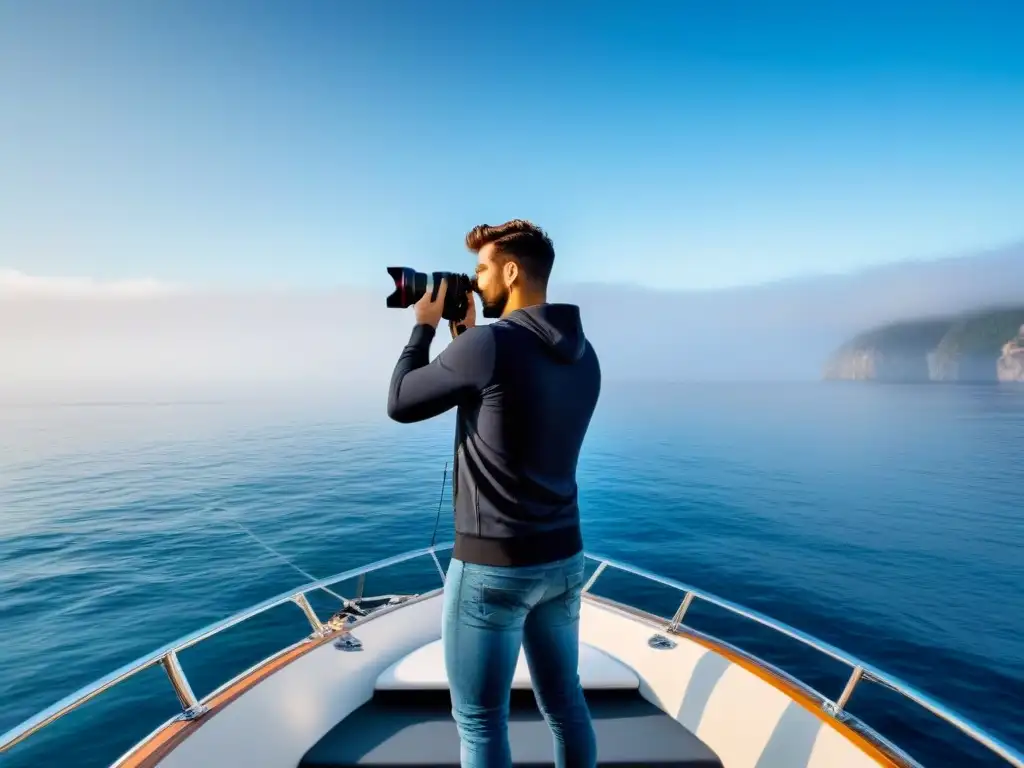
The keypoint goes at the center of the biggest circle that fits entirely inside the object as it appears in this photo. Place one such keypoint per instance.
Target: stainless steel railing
(859, 669)
(167, 656)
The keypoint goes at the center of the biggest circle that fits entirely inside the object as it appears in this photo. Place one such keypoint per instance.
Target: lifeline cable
(284, 559)
(444, 479)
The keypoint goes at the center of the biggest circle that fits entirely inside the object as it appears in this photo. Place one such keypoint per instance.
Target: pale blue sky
(313, 144)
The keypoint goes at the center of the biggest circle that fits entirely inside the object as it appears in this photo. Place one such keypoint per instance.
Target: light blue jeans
(489, 614)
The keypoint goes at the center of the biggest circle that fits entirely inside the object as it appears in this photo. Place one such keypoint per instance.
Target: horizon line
(17, 283)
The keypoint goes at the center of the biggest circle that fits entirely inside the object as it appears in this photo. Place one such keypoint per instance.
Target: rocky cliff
(979, 347)
(1011, 363)
(897, 352)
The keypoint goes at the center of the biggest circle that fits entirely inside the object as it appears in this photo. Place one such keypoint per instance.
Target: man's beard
(494, 306)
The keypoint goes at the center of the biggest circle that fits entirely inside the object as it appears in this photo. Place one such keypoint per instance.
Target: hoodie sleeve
(421, 389)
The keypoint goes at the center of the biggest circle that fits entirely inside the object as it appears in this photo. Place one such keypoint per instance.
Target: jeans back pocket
(574, 592)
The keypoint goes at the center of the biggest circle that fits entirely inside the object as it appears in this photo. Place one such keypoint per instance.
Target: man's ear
(511, 273)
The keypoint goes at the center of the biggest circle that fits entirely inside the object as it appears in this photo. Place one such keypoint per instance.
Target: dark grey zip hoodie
(525, 388)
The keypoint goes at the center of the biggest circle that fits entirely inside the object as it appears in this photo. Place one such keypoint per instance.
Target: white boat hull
(707, 703)
(269, 718)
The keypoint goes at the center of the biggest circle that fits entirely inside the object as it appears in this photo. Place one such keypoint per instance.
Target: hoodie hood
(558, 326)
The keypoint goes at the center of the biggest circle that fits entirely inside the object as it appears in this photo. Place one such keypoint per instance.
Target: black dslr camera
(410, 287)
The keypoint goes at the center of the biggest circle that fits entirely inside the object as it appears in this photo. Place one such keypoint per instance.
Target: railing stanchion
(437, 562)
(191, 708)
(590, 582)
(681, 613)
(858, 673)
(314, 620)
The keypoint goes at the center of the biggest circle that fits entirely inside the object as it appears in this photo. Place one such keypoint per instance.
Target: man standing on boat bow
(525, 388)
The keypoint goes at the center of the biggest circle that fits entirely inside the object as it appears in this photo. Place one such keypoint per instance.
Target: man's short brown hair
(520, 240)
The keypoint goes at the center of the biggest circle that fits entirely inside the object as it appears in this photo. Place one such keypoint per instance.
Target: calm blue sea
(886, 520)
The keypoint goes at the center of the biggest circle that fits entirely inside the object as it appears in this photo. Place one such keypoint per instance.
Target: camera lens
(411, 286)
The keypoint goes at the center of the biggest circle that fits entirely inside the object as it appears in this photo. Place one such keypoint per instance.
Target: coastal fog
(88, 338)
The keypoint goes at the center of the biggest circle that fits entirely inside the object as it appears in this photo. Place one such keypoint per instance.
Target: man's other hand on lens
(428, 311)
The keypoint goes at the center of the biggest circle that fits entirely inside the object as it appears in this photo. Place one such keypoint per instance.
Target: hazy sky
(709, 144)
(123, 339)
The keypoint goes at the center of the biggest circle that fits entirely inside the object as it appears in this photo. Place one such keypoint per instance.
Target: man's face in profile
(490, 280)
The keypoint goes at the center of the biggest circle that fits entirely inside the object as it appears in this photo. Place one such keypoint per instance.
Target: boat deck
(372, 689)
(408, 720)
(404, 728)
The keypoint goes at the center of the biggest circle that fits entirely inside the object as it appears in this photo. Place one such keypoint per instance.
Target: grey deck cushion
(416, 728)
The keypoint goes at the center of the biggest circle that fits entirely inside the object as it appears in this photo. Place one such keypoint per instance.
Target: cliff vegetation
(984, 346)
